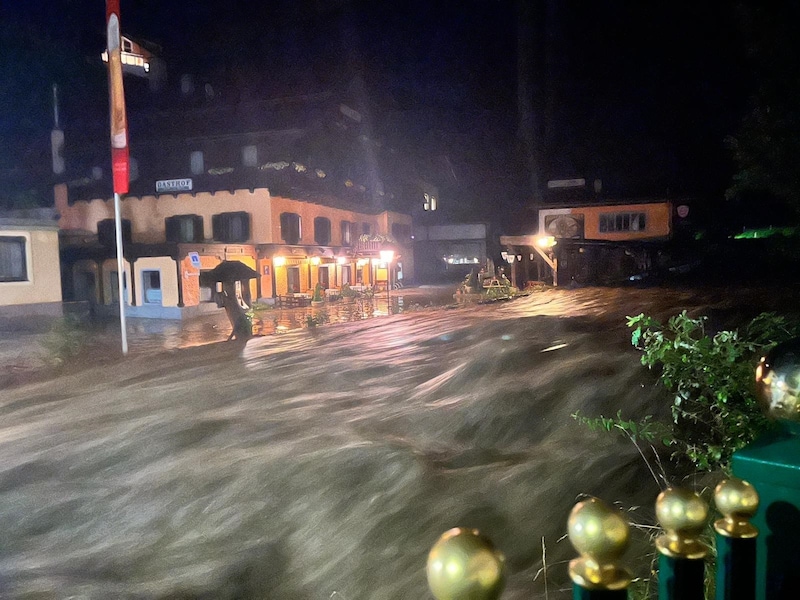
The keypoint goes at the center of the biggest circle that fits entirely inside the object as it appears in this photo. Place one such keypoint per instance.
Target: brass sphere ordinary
(464, 565)
(600, 534)
(682, 514)
(778, 381)
(737, 500)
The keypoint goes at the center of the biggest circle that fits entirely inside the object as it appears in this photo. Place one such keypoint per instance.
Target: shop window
(233, 227)
(184, 228)
(322, 231)
(366, 229)
(13, 266)
(291, 232)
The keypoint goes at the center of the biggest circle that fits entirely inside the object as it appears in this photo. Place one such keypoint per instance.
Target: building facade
(30, 278)
(171, 241)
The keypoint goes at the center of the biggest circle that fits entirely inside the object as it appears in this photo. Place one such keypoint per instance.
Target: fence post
(737, 500)
(464, 565)
(600, 535)
(682, 514)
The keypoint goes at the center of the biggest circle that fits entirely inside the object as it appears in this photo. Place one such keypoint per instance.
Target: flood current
(323, 463)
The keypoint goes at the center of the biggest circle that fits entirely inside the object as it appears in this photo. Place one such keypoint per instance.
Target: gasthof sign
(173, 185)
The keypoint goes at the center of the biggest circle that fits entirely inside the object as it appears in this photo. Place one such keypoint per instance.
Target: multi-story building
(172, 240)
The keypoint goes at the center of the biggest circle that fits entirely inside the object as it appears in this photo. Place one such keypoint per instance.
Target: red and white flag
(120, 164)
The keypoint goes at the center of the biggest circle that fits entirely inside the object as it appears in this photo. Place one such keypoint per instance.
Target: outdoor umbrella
(231, 270)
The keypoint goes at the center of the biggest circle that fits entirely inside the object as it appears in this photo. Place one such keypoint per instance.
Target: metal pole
(388, 287)
(120, 274)
(682, 514)
(600, 534)
(738, 501)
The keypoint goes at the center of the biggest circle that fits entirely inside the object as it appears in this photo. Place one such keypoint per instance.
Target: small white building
(30, 272)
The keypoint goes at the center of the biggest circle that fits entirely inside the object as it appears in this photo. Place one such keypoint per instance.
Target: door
(323, 276)
(293, 279)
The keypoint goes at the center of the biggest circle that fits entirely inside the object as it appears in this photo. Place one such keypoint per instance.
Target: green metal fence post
(772, 465)
(600, 535)
(737, 500)
(464, 565)
(682, 514)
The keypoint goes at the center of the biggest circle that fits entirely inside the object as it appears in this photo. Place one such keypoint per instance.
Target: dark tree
(767, 146)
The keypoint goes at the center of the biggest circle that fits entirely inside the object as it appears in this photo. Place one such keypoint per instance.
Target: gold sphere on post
(464, 565)
(683, 515)
(737, 500)
(600, 535)
(778, 381)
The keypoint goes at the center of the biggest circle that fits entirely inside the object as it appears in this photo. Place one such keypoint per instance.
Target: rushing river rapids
(323, 463)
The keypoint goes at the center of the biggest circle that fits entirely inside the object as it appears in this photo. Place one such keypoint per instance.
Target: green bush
(710, 378)
(66, 339)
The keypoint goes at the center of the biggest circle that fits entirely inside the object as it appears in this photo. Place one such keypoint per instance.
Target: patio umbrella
(231, 270)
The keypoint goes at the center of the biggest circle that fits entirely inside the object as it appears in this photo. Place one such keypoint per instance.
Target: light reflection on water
(147, 335)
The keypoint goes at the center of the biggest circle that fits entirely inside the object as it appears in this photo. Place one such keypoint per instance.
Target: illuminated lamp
(315, 260)
(545, 241)
(279, 261)
(342, 260)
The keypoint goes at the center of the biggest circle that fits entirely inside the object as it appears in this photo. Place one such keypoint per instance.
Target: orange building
(590, 243)
(172, 240)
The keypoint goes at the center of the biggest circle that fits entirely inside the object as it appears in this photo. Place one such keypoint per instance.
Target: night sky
(639, 94)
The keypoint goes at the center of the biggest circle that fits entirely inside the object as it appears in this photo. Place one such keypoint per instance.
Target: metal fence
(465, 565)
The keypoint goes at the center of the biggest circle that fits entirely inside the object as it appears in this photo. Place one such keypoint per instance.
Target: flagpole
(120, 166)
(120, 274)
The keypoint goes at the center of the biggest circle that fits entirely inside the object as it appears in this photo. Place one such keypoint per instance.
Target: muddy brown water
(324, 462)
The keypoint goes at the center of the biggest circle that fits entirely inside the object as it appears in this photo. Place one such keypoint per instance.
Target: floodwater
(323, 463)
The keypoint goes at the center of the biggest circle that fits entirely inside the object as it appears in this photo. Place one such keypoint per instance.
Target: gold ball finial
(600, 535)
(682, 514)
(778, 381)
(737, 500)
(464, 565)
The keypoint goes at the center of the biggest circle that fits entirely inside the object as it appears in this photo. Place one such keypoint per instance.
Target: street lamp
(387, 256)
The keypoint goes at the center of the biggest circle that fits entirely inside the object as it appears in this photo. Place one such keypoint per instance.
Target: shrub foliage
(710, 377)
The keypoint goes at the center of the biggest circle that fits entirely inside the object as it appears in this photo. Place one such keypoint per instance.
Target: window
(197, 163)
(250, 156)
(293, 280)
(291, 231)
(347, 233)
(430, 202)
(365, 228)
(184, 228)
(322, 231)
(12, 259)
(611, 222)
(107, 234)
(401, 232)
(233, 227)
(151, 287)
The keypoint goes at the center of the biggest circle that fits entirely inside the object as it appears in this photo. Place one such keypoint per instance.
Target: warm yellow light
(545, 241)
(362, 262)
(279, 261)
(387, 256)
(342, 260)
(315, 260)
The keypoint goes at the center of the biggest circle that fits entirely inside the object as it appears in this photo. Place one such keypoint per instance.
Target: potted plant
(317, 298)
(347, 293)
